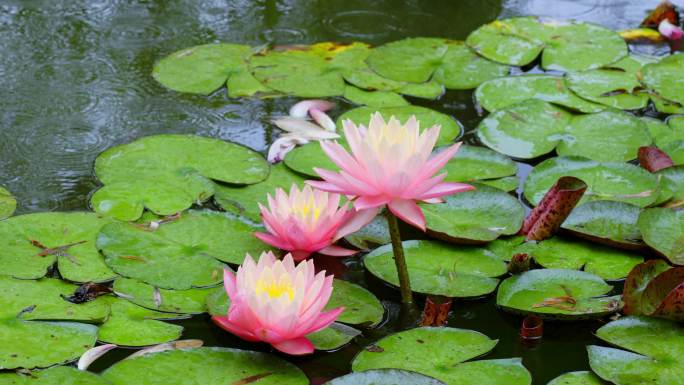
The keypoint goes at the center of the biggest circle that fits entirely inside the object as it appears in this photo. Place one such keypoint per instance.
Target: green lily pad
(361, 307)
(70, 238)
(533, 128)
(557, 294)
(408, 60)
(62, 375)
(333, 337)
(665, 78)
(463, 69)
(500, 93)
(472, 163)
(675, 150)
(481, 215)
(665, 133)
(653, 352)
(180, 254)
(32, 344)
(428, 90)
(372, 235)
(171, 172)
(304, 158)
(132, 325)
(440, 269)
(191, 301)
(7, 203)
(384, 377)
(46, 296)
(217, 302)
(663, 230)
(621, 182)
(207, 365)
(576, 378)
(565, 253)
(611, 87)
(516, 41)
(671, 184)
(507, 184)
(374, 98)
(201, 69)
(450, 127)
(611, 223)
(242, 83)
(244, 200)
(399, 351)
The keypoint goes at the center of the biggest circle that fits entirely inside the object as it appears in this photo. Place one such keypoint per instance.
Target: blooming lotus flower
(277, 302)
(390, 164)
(670, 31)
(309, 221)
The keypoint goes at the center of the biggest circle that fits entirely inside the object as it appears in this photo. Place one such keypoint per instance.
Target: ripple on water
(362, 24)
(281, 35)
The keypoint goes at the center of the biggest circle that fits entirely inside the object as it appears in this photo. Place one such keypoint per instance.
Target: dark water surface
(75, 80)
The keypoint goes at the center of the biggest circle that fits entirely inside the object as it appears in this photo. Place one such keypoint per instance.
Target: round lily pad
(32, 344)
(428, 90)
(384, 377)
(675, 150)
(576, 378)
(440, 269)
(304, 158)
(611, 223)
(374, 98)
(664, 133)
(665, 78)
(333, 337)
(450, 127)
(244, 200)
(62, 375)
(7, 204)
(132, 325)
(208, 366)
(605, 180)
(31, 243)
(481, 215)
(399, 351)
(652, 356)
(663, 230)
(408, 60)
(508, 183)
(191, 301)
(500, 93)
(463, 69)
(372, 235)
(201, 69)
(612, 87)
(565, 253)
(671, 184)
(472, 163)
(168, 173)
(516, 41)
(557, 294)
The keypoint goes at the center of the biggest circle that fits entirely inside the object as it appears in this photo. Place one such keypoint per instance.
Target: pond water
(76, 80)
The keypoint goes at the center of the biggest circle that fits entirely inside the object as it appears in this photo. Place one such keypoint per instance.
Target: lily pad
(508, 183)
(450, 127)
(244, 200)
(399, 351)
(304, 158)
(207, 366)
(576, 378)
(132, 325)
(476, 216)
(201, 69)
(62, 375)
(191, 301)
(463, 69)
(664, 133)
(611, 223)
(652, 356)
(500, 93)
(516, 41)
(384, 377)
(557, 294)
(171, 172)
(663, 230)
(440, 269)
(372, 235)
(472, 163)
(533, 128)
(7, 204)
(665, 78)
(638, 280)
(611, 87)
(620, 182)
(32, 344)
(675, 150)
(408, 60)
(31, 243)
(565, 253)
(374, 98)
(333, 337)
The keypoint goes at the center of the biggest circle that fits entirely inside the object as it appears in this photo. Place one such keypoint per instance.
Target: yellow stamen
(275, 289)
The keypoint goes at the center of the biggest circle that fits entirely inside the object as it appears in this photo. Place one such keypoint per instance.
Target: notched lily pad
(384, 377)
(516, 41)
(610, 223)
(463, 69)
(472, 163)
(665, 78)
(191, 301)
(7, 203)
(408, 60)
(663, 230)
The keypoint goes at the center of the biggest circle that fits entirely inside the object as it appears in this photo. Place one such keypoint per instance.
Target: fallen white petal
(181, 344)
(301, 109)
(279, 148)
(322, 119)
(93, 354)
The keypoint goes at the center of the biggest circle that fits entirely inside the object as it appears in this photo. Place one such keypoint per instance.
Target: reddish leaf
(654, 159)
(659, 289)
(554, 208)
(672, 306)
(636, 283)
(436, 311)
(532, 328)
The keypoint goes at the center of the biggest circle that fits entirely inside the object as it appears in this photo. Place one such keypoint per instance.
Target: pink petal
(229, 283)
(301, 109)
(322, 119)
(337, 251)
(447, 188)
(438, 161)
(279, 149)
(296, 347)
(325, 319)
(300, 255)
(369, 202)
(358, 219)
(408, 211)
(669, 30)
(230, 327)
(272, 240)
(325, 186)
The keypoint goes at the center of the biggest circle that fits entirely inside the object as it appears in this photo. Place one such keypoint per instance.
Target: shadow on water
(76, 80)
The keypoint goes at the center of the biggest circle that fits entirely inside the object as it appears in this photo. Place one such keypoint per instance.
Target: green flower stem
(399, 259)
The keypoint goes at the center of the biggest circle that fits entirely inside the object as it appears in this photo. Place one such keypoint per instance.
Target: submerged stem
(399, 259)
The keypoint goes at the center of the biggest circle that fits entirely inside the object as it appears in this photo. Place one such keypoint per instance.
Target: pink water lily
(277, 302)
(670, 31)
(390, 164)
(308, 221)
